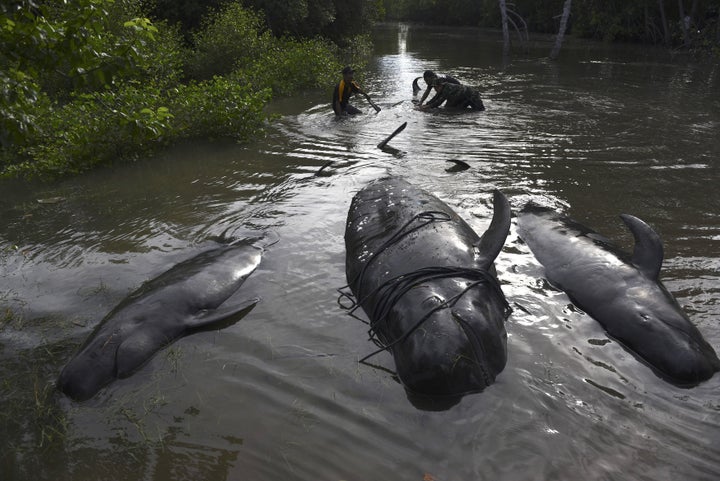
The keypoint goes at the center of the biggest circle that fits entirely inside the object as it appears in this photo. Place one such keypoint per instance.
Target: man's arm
(356, 88)
(425, 95)
(437, 100)
(435, 97)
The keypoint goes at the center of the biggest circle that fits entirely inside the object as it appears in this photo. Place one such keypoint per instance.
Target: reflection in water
(280, 395)
(402, 39)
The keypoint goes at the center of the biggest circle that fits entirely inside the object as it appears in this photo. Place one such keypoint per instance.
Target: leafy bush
(21, 103)
(216, 108)
(90, 82)
(101, 127)
(230, 36)
(93, 129)
(234, 41)
(297, 17)
(289, 65)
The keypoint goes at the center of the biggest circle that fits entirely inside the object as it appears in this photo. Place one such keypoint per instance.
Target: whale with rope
(621, 291)
(188, 298)
(428, 285)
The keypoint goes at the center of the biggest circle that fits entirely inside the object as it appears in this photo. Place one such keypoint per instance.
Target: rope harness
(392, 290)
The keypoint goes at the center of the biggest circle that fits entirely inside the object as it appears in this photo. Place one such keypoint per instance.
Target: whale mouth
(478, 351)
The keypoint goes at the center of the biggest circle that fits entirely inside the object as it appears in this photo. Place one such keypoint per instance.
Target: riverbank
(132, 90)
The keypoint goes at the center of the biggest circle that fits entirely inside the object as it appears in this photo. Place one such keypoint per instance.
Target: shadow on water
(280, 394)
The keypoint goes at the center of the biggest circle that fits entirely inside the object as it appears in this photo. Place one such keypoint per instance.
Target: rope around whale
(393, 289)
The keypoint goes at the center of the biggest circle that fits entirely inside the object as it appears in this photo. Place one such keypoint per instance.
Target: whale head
(88, 372)
(667, 340)
(457, 349)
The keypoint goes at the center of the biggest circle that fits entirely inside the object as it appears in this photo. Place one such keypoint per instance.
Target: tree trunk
(506, 33)
(684, 25)
(561, 32)
(663, 20)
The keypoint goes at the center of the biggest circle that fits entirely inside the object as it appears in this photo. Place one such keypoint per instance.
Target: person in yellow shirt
(343, 90)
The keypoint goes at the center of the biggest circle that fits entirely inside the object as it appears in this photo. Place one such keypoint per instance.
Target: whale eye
(433, 301)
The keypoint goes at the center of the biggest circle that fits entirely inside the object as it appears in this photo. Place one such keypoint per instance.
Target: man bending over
(456, 96)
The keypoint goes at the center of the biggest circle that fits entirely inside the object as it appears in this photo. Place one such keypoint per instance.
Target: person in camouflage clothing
(430, 79)
(455, 96)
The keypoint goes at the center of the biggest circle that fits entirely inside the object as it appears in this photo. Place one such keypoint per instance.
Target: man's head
(347, 73)
(429, 76)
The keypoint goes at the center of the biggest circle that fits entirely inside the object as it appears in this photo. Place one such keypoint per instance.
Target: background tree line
(338, 20)
(692, 24)
(89, 82)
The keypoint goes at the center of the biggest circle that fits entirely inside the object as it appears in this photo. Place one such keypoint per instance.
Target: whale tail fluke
(416, 88)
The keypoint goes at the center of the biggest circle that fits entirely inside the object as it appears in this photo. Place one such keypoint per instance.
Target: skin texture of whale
(621, 291)
(185, 299)
(428, 285)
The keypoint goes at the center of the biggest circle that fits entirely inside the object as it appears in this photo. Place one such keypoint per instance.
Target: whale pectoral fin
(492, 241)
(648, 253)
(221, 317)
(138, 348)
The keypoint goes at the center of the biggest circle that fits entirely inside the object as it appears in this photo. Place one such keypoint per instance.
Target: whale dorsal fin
(648, 252)
(492, 240)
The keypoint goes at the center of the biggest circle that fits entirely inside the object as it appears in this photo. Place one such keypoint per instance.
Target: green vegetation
(337, 20)
(90, 82)
(30, 406)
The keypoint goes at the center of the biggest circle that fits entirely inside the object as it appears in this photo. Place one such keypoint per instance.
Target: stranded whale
(621, 291)
(185, 299)
(427, 283)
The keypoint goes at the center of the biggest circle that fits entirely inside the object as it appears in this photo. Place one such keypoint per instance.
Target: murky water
(280, 394)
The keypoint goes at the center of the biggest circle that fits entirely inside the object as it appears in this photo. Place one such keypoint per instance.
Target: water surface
(281, 395)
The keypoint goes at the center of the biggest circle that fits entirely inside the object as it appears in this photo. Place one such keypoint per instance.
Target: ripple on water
(280, 394)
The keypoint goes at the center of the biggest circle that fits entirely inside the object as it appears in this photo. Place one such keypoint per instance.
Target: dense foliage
(88, 82)
(338, 20)
(650, 21)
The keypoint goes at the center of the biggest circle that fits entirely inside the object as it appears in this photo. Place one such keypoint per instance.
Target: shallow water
(280, 394)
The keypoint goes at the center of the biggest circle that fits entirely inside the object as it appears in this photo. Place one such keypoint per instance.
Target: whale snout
(667, 341)
(81, 379)
(690, 365)
(72, 383)
(456, 352)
